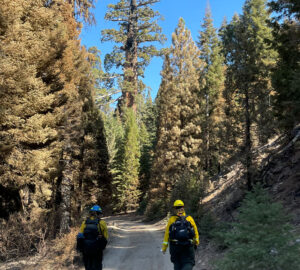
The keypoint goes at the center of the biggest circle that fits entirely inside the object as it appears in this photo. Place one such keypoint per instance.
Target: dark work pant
(93, 262)
(185, 266)
(183, 257)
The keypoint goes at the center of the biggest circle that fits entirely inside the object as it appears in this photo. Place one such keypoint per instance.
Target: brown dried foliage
(20, 236)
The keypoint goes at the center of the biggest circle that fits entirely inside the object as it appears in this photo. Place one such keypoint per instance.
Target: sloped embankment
(277, 166)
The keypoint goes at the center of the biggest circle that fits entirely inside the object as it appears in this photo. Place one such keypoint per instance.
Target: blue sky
(192, 11)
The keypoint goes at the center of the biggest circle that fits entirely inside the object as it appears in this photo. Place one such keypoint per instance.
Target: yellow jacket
(172, 219)
(102, 228)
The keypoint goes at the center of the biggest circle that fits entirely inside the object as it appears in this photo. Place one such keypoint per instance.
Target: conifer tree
(32, 101)
(127, 181)
(251, 59)
(137, 27)
(233, 132)
(286, 82)
(102, 96)
(211, 94)
(48, 97)
(81, 9)
(95, 178)
(147, 129)
(131, 161)
(114, 134)
(115, 138)
(178, 136)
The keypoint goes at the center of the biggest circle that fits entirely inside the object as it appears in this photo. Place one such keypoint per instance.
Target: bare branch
(113, 100)
(117, 20)
(144, 26)
(112, 77)
(147, 3)
(108, 95)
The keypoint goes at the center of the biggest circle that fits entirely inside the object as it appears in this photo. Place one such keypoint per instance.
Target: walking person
(94, 236)
(182, 237)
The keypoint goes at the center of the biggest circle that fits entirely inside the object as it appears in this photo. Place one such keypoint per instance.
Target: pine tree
(137, 26)
(251, 60)
(126, 182)
(131, 161)
(286, 76)
(262, 238)
(211, 94)
(148, 129)
(80, 153)
(81, 9)
(233, 132)
(47, 97)
(286, 8)
(31, 114)
(178, 136)
(95, 178)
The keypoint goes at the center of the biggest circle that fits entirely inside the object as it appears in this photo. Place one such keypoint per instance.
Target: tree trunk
(207, 143)
(72, 138)
(130, 67)
(248, 143)
(65, 191)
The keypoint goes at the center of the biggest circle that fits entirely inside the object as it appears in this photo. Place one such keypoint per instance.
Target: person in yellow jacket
(95, 236)
(182, 237)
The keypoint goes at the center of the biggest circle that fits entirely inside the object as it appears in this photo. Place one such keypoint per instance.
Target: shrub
(262, 239)
(19, 236)
(206, 225)
(142, 206)
(190, 189)
(156, 209)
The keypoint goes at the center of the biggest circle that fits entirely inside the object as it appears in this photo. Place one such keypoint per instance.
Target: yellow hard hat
(178, 203)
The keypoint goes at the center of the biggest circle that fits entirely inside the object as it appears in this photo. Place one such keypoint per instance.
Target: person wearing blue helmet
(95, 235)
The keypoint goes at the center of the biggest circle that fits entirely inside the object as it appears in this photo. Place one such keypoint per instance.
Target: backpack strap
(99, 227)
(96, 222)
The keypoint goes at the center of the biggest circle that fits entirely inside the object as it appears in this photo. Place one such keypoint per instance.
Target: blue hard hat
(96, 208)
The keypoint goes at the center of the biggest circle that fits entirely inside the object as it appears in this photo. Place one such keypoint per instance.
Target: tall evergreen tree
(81, 9)
(137, 27)
(148, 129)
(104, 83)
(47, 92)
(233, 132)
(252, 59)
(178, 136)
(211, 93)
(286, 31)
(95, 178)
(33, 102)
(286, 8)
(126, 181)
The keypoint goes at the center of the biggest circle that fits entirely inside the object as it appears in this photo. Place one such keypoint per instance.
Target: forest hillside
(278, 167)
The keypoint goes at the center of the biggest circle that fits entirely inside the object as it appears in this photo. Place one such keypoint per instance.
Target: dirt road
(135, 245)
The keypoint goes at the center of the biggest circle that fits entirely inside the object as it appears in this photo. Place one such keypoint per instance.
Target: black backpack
(181, 232)
(94, 241)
